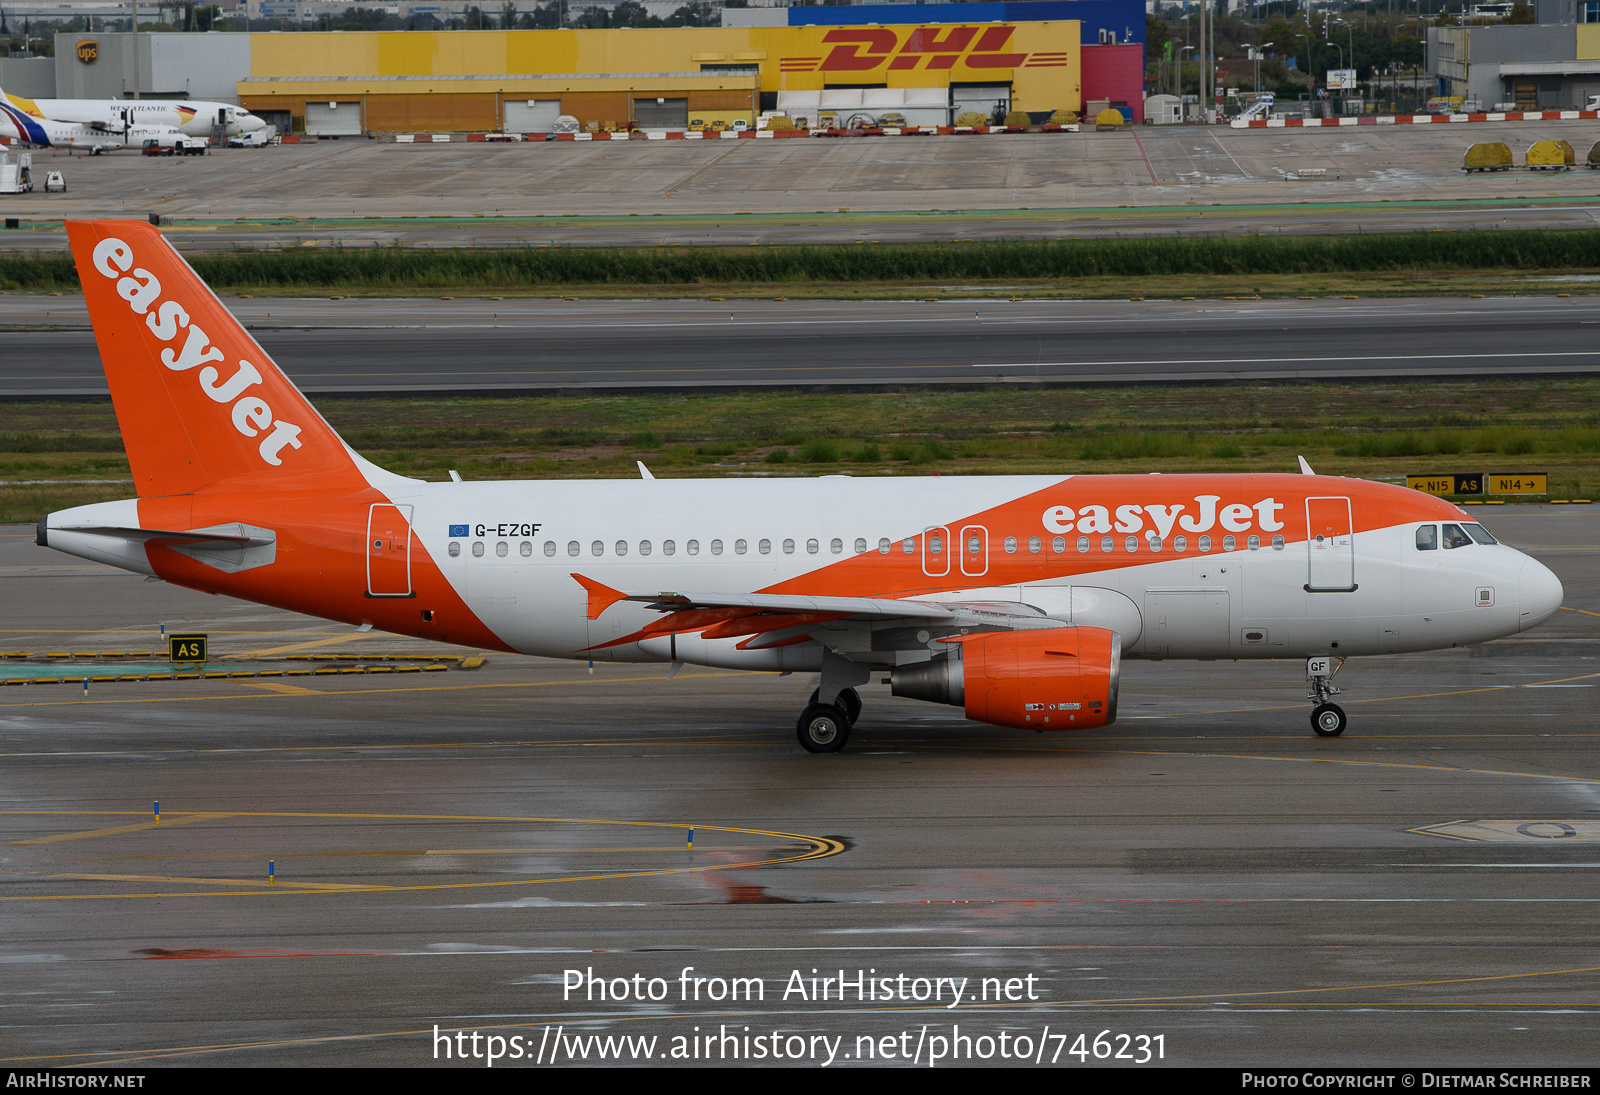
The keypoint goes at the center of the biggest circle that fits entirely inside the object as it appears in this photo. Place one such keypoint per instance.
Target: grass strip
(397, 267)
(59, 454)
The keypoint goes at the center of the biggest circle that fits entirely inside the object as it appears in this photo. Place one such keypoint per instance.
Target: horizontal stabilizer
(223, 535)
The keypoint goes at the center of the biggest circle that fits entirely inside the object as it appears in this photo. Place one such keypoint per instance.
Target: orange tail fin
(199, 402)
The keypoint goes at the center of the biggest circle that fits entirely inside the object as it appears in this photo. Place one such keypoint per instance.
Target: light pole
(1181, 52)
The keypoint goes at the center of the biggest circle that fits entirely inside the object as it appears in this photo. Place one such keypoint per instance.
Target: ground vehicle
(1014, 597)
(1445, 104)
(178, 145)
(259, 138)
(892, 119)
(55, 183)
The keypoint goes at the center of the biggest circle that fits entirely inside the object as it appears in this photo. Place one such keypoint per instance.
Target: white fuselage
(1243, 603)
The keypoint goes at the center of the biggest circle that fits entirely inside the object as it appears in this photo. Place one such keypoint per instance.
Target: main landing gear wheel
(823, 728)
(848, 701)
(1328, 720)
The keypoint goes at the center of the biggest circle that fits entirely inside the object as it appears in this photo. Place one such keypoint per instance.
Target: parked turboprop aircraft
(48, 134)
(29, 118)
(1013, 597)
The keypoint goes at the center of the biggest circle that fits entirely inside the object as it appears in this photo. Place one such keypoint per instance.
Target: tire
(1328, 720)
(822, 728)
(848, 701)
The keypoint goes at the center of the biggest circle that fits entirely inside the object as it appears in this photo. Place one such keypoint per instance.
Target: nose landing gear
(1327, 718)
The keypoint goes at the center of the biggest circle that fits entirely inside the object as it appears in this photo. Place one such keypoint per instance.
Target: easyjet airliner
(1013, 597)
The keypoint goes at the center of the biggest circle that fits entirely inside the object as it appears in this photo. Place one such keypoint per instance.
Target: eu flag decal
(458, 530)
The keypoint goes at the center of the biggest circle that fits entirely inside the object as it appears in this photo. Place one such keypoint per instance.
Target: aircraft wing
(1005, 614)
(602, 597)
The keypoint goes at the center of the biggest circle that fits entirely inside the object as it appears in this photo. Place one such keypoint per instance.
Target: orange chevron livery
(1015, 598)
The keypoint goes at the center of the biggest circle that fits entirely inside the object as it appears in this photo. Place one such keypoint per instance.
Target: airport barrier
(1488, 156)
(1418, 119)
(729, 134)
(1549, 156)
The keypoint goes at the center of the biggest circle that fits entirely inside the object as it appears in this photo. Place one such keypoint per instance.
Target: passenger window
(909, 545)
(1277, 543)
(740, 547)
(788, 547)
(525, 549)
(1131, 544)
(477, 549)
(644, 547)
(455, 548)
(501, 548)
(716, 547)
(1204, 544)
(1455, 536)
(836, 546)
(668, 547)
(1105, 543)
(597, 548)
(572, 548)
(1229, 543)
(1154, 541)
(549, 547)
(765, 547)
(1083, 544)
(883, 546)
(1480, 534)
(1427, 537)
(1180, 543)
(1254, 543)
(1057, 545)
(812, 545)
(622, 547)
(861, 546)
(692, 547)
(1011, 545)
(1035, 544)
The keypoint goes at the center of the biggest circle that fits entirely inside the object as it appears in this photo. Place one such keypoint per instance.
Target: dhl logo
(862, 49)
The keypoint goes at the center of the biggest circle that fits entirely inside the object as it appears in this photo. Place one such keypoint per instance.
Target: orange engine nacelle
(1060, 678)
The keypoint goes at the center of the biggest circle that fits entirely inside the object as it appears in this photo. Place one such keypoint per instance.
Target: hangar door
(333, 119)
(986, 99)
(661, 113)
(531, 115)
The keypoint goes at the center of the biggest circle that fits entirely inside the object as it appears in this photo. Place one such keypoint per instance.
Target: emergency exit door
(1330, 542)
(389, 551)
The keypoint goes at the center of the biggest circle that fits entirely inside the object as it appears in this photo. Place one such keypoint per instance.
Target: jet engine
(1059, 678)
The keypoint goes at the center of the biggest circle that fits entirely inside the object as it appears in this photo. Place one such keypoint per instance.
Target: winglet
(601, 597)
(644, 472)
(1305, 469)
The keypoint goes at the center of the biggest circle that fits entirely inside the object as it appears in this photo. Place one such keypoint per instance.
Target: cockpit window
(1480, 534)
(1455, 536)
(1427, 537)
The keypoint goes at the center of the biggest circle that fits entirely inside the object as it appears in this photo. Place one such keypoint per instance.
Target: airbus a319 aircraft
(1014, 598)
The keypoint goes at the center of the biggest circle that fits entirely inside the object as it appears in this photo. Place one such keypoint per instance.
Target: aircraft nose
(250, 123)
(1541, 594)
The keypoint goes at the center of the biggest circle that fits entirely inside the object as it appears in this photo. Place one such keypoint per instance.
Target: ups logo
(861, 49)
(88, 52)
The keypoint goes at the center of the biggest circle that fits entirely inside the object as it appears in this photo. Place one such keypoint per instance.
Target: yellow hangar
(356, 83)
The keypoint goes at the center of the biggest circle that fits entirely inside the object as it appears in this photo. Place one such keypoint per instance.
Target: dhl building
(352, 83)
